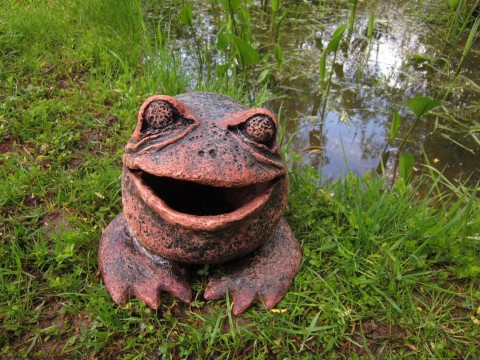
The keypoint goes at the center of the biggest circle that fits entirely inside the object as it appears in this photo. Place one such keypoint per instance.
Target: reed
(326, 77)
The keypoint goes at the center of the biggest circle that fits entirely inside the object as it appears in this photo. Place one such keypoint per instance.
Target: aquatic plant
(277, 16)
(371, 24)
(186, 18)
(237, 35)
(404, 162)
(457, 24)
(325, 78)
(461, 17)
(472, 36)
(351, 21)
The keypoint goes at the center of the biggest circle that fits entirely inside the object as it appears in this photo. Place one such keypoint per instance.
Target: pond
(346, 129)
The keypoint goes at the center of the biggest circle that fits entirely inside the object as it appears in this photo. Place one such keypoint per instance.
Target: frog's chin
(202, 207)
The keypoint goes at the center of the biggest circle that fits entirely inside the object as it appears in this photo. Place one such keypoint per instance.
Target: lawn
(386, 273)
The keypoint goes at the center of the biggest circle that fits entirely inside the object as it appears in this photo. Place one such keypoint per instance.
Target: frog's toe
(150, 290)
(242, 301)
(119, 293)
(245, 290)
(242, 296)
(128, 270)
(149, 294)
(271, 299)
(216, 288)
(265, 275)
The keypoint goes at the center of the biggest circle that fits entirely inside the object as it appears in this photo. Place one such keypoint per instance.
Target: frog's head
(203, 178)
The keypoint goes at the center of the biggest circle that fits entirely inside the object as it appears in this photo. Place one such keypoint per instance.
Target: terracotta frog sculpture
(203, 183)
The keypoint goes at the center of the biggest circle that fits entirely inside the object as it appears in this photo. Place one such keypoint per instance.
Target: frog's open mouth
(174, 198)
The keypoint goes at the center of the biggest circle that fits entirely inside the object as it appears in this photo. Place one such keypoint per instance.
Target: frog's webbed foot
(129, 270)
(265, 275)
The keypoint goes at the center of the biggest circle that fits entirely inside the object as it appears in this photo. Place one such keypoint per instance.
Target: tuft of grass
(388, 261)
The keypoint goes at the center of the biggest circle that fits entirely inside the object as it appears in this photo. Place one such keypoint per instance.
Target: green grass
(385, 274)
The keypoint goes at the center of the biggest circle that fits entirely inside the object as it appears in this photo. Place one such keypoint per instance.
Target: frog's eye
(260, 128)
(159, 116)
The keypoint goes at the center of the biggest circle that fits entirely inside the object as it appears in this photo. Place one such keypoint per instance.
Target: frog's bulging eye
(159, 116)
(260, 128)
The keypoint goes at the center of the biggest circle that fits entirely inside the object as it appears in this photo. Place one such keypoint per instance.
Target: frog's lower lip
(202, 206)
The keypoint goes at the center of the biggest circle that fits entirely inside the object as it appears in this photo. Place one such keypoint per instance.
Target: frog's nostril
(211, 152)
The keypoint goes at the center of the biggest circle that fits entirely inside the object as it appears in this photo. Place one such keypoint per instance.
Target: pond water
(374, 76)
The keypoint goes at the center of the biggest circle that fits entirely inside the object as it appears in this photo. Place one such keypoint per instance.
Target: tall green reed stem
(325, 81)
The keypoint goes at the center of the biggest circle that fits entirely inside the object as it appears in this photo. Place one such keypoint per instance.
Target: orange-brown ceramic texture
(203, 183)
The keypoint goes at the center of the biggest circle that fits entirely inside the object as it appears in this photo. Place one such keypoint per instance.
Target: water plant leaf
(222, 69)
(186, 15)
(224, 38)
(248, 55)
(396, 121)
(244, 18)
(452, 4)
(371, 24)
(419, 58)
(336, 37)
(231, 5)
(421, 105)
(281, 17)
(278, 54)
(234, 4)
(263, 76)
(405, 167)
(323, 68)
(274, 5)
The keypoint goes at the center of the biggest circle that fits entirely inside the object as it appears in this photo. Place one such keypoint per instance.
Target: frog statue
(203, 182)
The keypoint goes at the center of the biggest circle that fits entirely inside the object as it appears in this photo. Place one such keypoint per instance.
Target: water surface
(373, 77)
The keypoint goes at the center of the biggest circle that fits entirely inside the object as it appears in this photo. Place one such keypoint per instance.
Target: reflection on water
(374, 77)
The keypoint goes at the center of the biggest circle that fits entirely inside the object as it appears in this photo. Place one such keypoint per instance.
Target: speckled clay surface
(203, 183)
